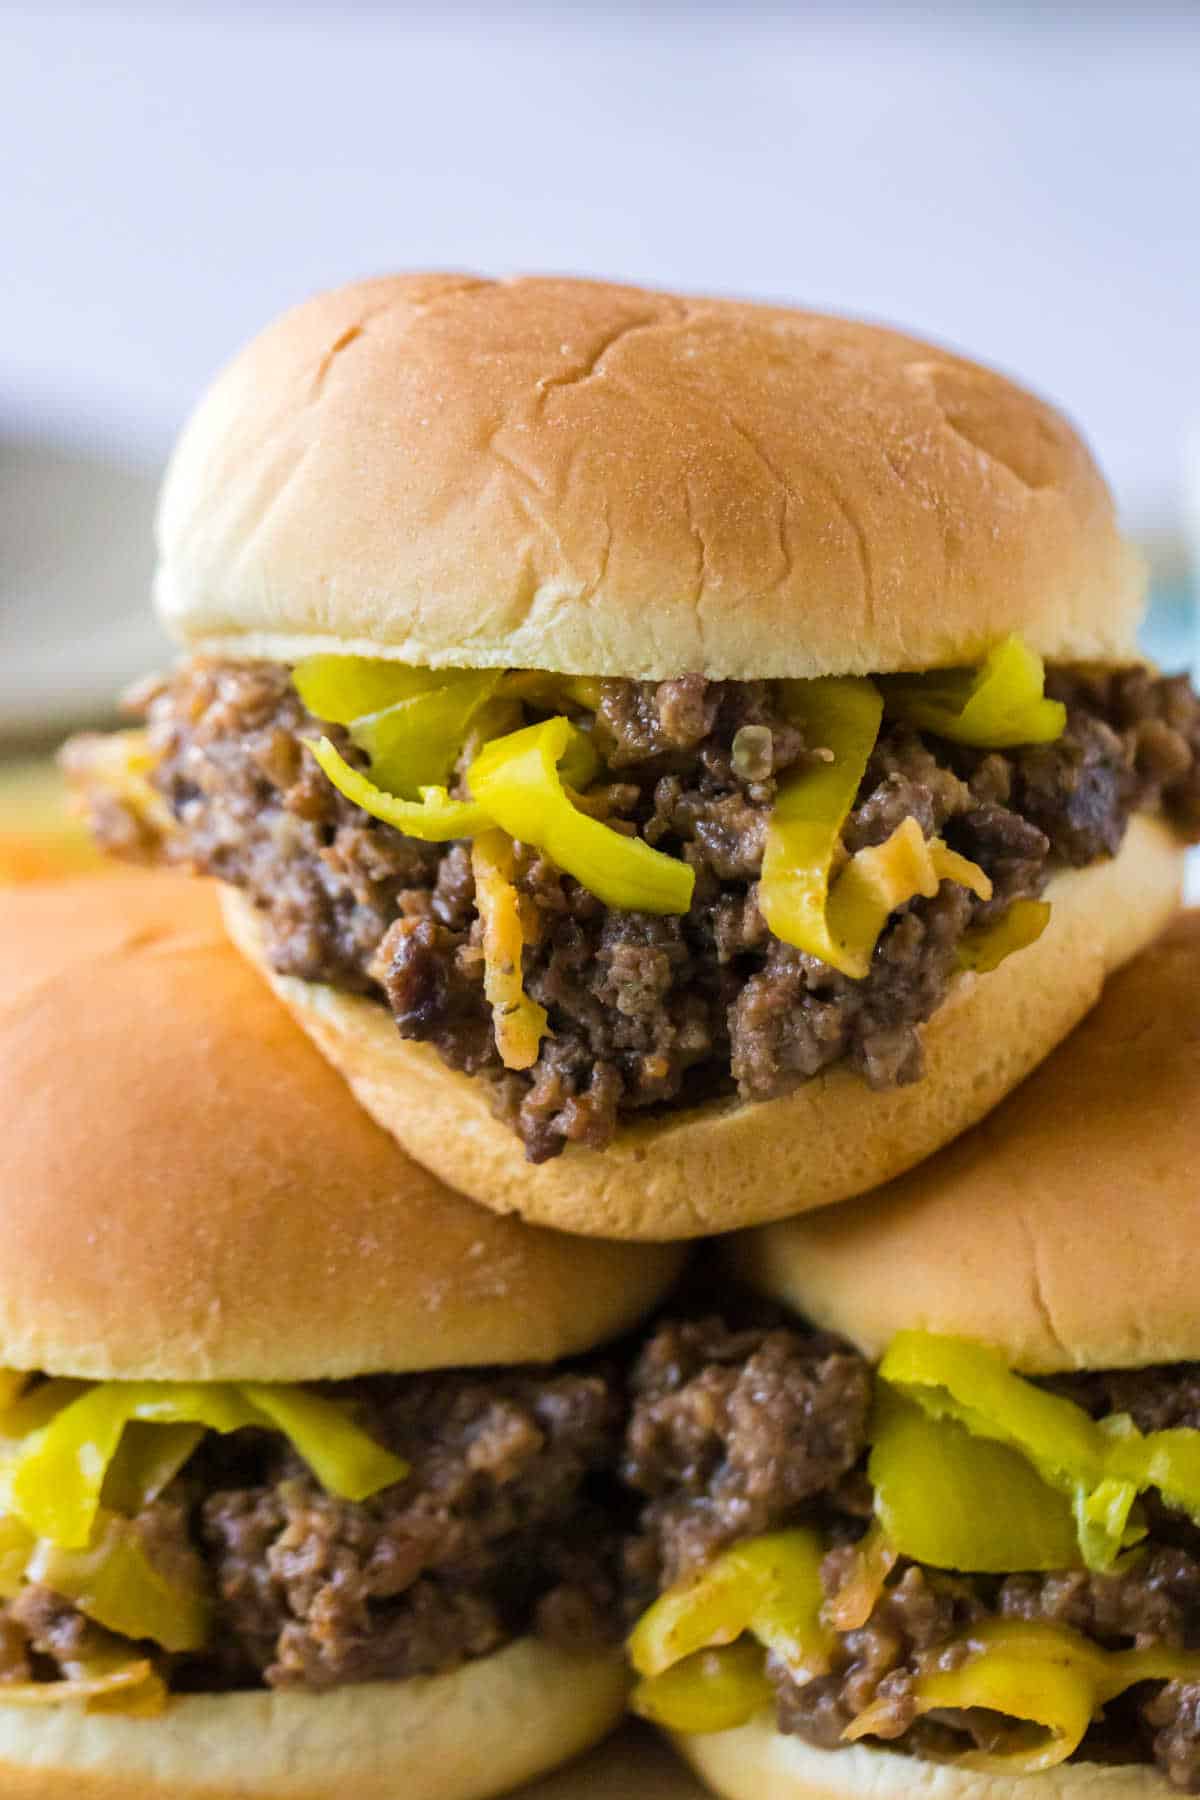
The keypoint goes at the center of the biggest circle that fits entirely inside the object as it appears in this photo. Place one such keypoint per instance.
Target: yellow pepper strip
(714, 1690)
(344, 1459)
(116, 1582)
(416, 743)
(518, 1022)
(953, 1378)
(340, 689)
(516, 780)
(856, 1600)
(56, 1480)
(435, 818)
(996, 707)
(543, 689)
(118, 765)
(985, 947)
(128, 1686)
(885, 876)
(1046, 1678)
(13, 1383)
(811, 807)
(17, 1545)
(769, 1586)
(955, 1501)
(150, 1457)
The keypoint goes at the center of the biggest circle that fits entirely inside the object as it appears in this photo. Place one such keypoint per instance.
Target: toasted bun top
(1065, 1229)
(576, 476)
(188, 1191)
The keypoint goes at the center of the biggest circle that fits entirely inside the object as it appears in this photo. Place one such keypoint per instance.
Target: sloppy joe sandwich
(645, 737)
(943, 1536)
(306, 1464)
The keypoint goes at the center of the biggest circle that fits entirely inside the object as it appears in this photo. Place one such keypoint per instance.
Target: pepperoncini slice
(13, 1383)
(955, 1379)
(435, 818)
(769, 1586)
(1045, 1678)
(885, 876)
(955, 1501)
(713, 1690)
(804, 832)
(985, 947)
(117, 1582)
(518, 1022)
(121, 1684)
(150, 1457)
(516, 781)
(874, 1559)
(998, 706)
(55, 1481)
(416, 743)
(17, 1544)
(341, 689)
(344, 1459)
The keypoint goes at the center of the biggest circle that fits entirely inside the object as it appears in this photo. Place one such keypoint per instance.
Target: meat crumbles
(647, 1011)
(736, 1432)
(504, 1525)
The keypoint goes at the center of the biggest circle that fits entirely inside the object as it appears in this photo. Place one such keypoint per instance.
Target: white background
(1024, 182)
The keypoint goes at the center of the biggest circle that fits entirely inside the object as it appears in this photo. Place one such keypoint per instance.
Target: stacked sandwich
(683, 764)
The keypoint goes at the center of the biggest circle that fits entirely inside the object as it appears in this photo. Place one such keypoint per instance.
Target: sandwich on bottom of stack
(307, 1465)
(646, 736)
(934, 1527)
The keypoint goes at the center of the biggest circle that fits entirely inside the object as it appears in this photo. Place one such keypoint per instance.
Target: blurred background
(1017, 180)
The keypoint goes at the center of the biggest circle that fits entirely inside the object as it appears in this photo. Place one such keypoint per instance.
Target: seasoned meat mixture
(736, 1432)
(648, 1011)
(503, 1526)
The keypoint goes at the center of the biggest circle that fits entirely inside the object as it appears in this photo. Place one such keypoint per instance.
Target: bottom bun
(728, 1164)
(478, 1732)
(757, 1762)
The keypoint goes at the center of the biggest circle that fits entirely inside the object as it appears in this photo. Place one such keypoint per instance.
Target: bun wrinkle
(598, 479)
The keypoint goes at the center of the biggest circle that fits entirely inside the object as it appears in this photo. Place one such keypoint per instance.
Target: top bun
(575, 476)
(191, 1193)
(1064, 1230)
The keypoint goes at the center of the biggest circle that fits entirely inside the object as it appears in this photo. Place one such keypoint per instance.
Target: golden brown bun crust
(468, 1735)
(1065, 1229)
(189, 1191)
(756, 1762)
(570, 475)
(725, 1165)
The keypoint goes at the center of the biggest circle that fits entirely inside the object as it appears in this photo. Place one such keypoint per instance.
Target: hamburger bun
(190, 1193)
(575, 476)
(478, 1731)
(1065, 1229)
(756, 1762)
(727, 1164)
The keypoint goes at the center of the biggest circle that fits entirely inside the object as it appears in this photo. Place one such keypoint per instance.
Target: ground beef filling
(504, 1526)
(647, 1011)
(737, 1432)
